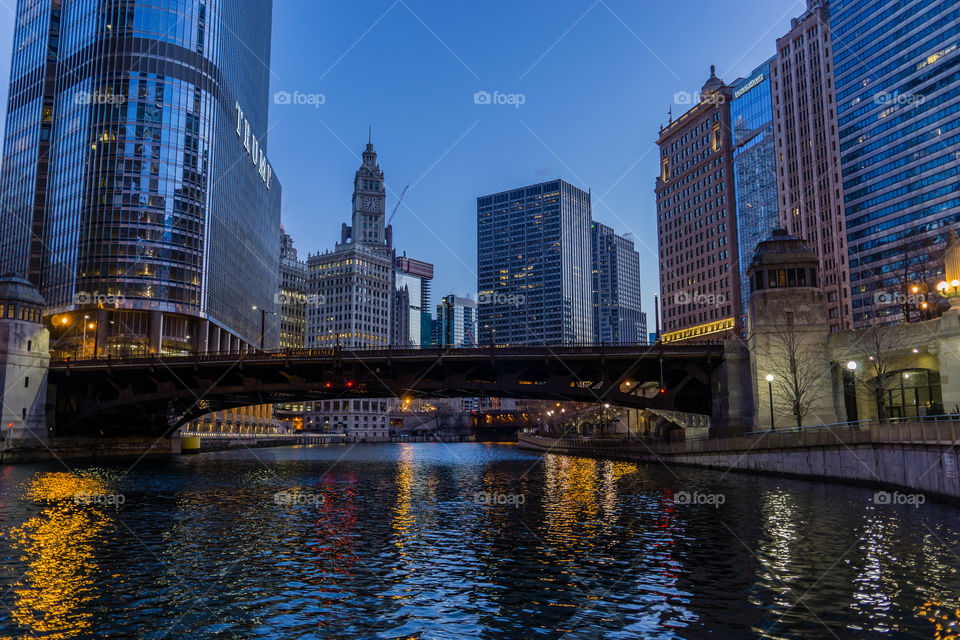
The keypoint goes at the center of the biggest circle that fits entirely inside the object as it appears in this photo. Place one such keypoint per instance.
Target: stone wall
(919, 457)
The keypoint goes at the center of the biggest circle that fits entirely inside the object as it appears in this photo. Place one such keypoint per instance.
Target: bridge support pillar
(234, 344)
(155, 332)
(733, 389)
(24, 365)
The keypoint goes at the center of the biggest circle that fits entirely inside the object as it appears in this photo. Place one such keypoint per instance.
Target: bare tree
(879, 346)
(916, 269)
(797, 371)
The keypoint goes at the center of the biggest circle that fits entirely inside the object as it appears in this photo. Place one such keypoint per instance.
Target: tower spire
(369, 134)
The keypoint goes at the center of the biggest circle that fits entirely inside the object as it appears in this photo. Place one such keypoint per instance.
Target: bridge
(155, 395)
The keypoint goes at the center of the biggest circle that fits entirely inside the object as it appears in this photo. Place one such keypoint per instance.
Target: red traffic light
(349, 383)
(662, 390)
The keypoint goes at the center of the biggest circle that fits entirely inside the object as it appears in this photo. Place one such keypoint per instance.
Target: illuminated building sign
(717, 326)
(750, 85)
(254, 150)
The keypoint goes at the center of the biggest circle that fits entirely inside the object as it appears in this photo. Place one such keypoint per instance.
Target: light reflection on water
(394, 543)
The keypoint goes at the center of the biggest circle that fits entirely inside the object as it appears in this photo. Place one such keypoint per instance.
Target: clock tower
(369, 200)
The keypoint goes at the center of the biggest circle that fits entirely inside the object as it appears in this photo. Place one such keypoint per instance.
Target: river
(434, 540)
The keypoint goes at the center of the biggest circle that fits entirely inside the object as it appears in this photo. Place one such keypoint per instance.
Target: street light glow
(852, 365)
(769, 377)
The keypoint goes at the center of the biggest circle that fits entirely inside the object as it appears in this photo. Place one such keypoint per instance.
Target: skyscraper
(617, 317)
(292, 298)
(754, 167)
(355, 293)
(696, 219)
(416, 276)
(533, 265)
(898, 109)
(457, 322)
(808, 155)
(135, 185)
(354, 283)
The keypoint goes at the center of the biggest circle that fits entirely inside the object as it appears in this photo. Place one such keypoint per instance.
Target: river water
(462, 541)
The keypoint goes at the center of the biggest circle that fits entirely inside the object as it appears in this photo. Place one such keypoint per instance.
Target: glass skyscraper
(754, 166)
(135, 186)
(533, 271)
(897, 73)
(457, 318)
(617, 317)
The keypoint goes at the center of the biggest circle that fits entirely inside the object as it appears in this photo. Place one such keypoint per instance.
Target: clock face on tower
(371, 204)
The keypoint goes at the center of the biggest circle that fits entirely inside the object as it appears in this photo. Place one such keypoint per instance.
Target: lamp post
(83, 341)
(770, 386)
(263, 317)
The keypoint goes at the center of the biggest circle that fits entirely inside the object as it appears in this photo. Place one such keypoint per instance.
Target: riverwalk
(916, 455)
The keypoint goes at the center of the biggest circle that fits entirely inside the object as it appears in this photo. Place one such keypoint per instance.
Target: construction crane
(403, 193)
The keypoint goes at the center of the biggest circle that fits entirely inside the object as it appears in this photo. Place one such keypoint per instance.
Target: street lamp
(263, 316)
(770, 385)
(948, 289)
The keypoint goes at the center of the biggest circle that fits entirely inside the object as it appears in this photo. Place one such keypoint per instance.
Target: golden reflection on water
(57, 547)
(402, 515)
(946, 619)
(571, 507)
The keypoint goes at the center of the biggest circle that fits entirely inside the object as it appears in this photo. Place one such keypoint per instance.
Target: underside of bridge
(156, 396)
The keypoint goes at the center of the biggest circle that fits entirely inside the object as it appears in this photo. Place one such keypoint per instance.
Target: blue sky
(596, 79)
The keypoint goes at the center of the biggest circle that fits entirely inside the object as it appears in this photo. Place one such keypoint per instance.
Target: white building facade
(353, 289)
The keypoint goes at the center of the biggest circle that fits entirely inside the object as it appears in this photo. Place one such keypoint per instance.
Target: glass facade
(457, 319)
(617, 317)
(754, 166)
(897, 70)
(136, 154)
(534, 266)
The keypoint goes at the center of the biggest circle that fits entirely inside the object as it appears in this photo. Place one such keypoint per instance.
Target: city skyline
(315, 150)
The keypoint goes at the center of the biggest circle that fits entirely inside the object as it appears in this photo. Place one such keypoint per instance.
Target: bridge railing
(444, 350)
